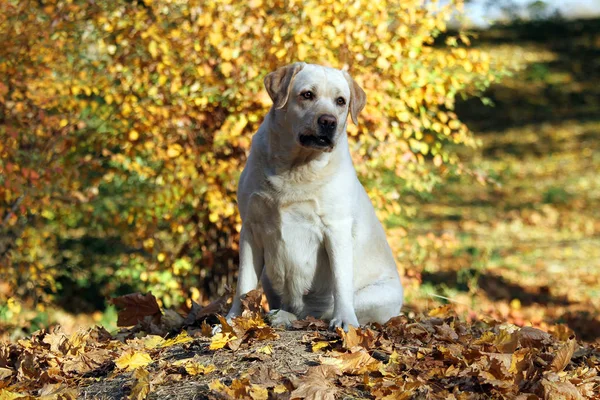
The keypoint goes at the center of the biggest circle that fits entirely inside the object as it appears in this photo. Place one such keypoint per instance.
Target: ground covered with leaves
(167, 356)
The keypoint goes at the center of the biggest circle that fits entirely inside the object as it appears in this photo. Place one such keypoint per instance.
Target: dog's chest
(295, 256)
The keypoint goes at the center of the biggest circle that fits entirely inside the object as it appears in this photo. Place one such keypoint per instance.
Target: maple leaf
(57, 341)
(135, 307)
(183, 337)
(316, 384)
(356, 337)
(220, 339)
(132, 359)
(195, 368)
(84, 362)
(141, 386)
(353, 363)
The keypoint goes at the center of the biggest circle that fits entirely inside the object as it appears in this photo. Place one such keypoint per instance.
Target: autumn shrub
(124, 126)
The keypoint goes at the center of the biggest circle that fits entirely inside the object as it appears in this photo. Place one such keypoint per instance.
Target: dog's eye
(341, 101)
(308, 95)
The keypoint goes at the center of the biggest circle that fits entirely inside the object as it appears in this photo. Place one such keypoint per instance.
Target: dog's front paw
(280, 318)
(343, 322)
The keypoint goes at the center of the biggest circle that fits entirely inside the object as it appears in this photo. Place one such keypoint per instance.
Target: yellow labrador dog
(309, 231)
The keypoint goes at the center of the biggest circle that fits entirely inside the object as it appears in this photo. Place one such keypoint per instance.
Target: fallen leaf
(134, 307)
(532, 337)
(317, 385)
(268, 350)
(171, 320)
(251, 301)
(194, 368)
(353, 363)
(57, 341)
(319, 346)
(198, 313)
(220, 339)
(183, 337)
(57, 391)
(153, 341)
(440, 311)
(310, 323)
(5, 373)
(563, 356)
(132, 359)
(141, 386)
(8, 395)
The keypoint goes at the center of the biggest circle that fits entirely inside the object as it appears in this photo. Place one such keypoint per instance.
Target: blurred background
(124, 126)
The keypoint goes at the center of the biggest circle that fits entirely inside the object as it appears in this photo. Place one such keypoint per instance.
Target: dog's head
(314, 103)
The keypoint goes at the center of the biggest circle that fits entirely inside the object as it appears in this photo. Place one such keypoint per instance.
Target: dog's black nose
(327, 123)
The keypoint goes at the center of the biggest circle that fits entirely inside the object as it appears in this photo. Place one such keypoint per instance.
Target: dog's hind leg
(379, 301)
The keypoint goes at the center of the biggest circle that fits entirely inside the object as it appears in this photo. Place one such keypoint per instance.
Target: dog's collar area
(316, 142)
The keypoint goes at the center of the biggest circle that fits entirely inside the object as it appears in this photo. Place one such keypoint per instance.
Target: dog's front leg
(338, 242)
(251, 266)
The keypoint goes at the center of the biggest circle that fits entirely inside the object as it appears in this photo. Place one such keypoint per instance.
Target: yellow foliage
(131, 360)
(155, 104)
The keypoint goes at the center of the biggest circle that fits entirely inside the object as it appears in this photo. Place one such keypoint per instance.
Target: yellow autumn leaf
(219, 340)
(8, 395)
(183, 337)
(226, 68)
(133, 135)
(153, 49)
(268, 350)
(152, 341)
(194, 368)
(174, 150)
(132, 359)
(319, 345)
(141, 387)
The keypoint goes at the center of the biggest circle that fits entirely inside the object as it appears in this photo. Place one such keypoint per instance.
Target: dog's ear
(358, 98)
(279, 83)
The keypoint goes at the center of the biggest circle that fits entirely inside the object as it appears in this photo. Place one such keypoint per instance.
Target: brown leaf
(57, 341)
(353, 363)
(532, 337)
(563, 356)
(560, 390)
(57, 391)
(252, 300)
(506, 342)
(358, 337)
(199, 313)
(134, 307)
(317, 385)
(265, 376)
(446, 333)
(310, 323)
(82, 363)
(171, 320)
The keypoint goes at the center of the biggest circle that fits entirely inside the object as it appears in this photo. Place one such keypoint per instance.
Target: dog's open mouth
(316, 142)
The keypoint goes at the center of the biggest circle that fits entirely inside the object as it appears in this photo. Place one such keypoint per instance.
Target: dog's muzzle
(323, 139)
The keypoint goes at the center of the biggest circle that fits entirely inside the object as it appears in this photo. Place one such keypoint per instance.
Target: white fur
(309, 229)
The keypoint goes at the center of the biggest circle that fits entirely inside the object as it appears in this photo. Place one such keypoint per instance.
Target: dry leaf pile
(165, 355)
